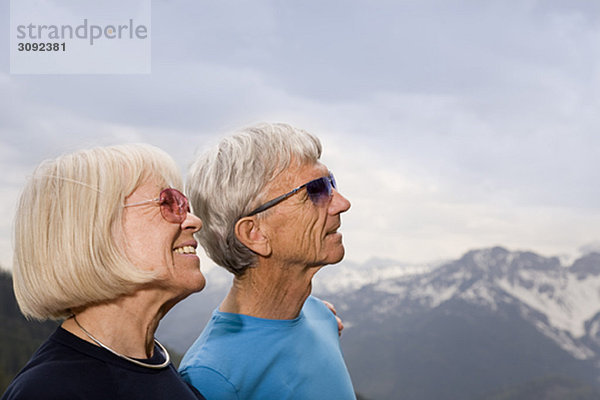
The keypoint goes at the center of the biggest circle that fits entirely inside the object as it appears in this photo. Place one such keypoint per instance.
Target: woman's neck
(126, 325)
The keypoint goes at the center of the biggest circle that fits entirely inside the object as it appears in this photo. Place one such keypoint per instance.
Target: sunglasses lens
(173, 205)
(319, 190)
(332, 180)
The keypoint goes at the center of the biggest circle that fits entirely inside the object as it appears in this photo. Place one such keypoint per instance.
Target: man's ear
(247, 231)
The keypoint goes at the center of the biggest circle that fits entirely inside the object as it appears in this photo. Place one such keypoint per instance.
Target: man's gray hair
(227, 182)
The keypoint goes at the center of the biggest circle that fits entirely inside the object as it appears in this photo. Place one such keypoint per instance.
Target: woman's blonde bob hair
(69, 246)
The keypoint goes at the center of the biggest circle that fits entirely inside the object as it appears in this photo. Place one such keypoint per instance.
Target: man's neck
(270, 291)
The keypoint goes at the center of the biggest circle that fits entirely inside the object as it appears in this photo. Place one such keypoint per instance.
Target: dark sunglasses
(174, 206)
(318, 190)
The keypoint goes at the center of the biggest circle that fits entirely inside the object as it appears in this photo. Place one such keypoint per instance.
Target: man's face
(301, 231)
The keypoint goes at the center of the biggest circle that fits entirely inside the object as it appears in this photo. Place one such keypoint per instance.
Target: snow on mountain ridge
(542, 286)
(348, 276)
(561, 303)
(568, 304)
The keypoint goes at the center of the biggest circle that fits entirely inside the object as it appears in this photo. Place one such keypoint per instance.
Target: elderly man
(271, 214)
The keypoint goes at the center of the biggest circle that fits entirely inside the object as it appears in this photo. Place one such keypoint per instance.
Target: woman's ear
(247, 231)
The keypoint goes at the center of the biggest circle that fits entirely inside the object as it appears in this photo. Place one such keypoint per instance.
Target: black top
(66, 367)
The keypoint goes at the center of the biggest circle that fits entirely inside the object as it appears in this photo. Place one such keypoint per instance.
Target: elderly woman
(104, 240)
(271, 215)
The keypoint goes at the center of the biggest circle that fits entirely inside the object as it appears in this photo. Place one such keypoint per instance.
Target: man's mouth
(334, 230)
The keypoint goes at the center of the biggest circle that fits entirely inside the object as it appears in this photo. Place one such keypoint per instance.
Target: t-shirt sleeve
(212, 384)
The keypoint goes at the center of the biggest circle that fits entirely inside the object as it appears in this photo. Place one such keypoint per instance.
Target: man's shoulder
(315, 308)
(215, 340)
(314, 303)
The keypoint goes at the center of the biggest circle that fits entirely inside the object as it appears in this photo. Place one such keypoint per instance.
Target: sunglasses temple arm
(273, 202)
(142, 202)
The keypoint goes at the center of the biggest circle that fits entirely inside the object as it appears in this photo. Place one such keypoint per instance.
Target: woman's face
(154, 244)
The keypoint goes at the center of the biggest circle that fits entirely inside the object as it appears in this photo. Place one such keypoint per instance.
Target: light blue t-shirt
(243, 358)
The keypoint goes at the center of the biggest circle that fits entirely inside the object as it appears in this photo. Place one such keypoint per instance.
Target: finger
(340, 325)
(330, 306)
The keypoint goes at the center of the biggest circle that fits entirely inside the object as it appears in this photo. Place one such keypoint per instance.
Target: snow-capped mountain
(450, 330)
(349, 276)
(491, 319)
(563, 302)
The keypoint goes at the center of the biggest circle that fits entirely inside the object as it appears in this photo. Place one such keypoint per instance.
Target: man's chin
(336, 256)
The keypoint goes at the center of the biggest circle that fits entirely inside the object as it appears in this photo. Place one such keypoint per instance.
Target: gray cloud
(476, 120)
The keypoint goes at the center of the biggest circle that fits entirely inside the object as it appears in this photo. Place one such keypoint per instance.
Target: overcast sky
(450, 125)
